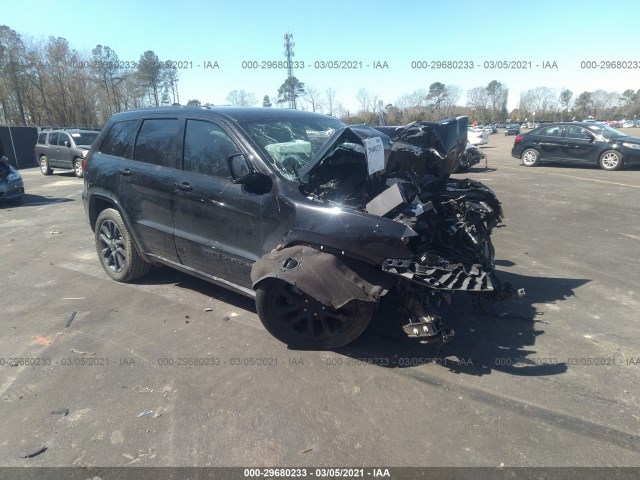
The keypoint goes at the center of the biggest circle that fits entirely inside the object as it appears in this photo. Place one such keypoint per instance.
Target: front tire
(530, 158)
(116, 251)
(610, 160)
(44, 165)
(301, 321)
(77, 167)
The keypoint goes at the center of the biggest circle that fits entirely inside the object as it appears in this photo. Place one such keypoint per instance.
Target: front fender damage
(332, 280)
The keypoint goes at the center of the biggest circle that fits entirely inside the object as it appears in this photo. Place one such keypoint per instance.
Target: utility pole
(288, 53)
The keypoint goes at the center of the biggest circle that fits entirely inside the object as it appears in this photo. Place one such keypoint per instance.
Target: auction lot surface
(173, 371)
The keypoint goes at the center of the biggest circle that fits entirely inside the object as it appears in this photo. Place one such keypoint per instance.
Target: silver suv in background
(63, 148)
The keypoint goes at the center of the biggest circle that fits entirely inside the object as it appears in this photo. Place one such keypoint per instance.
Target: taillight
(84, 164)
(518, 138)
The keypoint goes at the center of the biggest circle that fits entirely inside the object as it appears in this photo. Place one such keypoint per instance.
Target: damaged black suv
(319, 221)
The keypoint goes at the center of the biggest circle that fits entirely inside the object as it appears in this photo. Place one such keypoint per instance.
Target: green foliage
(290, 91)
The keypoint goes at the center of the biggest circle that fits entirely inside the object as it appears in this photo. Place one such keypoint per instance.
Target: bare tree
(314, 98)
(330, 95)
(497, 96)
(417, 98)
(604, 103)
(564, 100)
(368, 100)
(538, 100)
(478, 101)
(241, 98)
(454, 92)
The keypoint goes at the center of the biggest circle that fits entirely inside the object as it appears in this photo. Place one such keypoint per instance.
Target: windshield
(84, 138)
(605, 131)
(292, 142)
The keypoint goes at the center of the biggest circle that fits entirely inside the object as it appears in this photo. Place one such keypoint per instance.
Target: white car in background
(477, 136)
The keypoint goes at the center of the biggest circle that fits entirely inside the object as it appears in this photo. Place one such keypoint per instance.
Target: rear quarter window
(42, 138)
(119, 140)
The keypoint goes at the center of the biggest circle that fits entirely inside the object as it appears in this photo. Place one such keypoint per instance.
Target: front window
(64, 138)
(207, 148)
(292, 142)
(84, 138)
(606, 131)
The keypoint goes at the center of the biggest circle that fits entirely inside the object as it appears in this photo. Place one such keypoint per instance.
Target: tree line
(49, 83)
(484, 104)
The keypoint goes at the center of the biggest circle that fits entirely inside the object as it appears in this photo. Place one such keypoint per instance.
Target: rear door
(218, 224)
(142, 175)
(550, 142)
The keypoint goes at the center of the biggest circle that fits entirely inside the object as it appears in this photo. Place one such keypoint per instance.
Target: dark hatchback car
(575, 143)
(315, 219)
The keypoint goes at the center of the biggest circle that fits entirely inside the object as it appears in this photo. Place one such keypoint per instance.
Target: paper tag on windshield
(375, 154)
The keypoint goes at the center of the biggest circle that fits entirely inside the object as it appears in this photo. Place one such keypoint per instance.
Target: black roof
(231, 112)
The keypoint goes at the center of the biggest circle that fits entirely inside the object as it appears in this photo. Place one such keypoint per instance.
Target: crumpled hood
(420, 148)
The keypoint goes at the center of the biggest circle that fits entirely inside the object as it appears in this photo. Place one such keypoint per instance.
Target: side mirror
(67, 144)
(589, 137)
(240, 168)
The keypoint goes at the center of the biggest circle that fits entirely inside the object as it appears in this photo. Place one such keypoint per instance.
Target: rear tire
(77, 167)
(301, 321)
(116, 250)
(610, 160)
(530, 158)
(44, 165)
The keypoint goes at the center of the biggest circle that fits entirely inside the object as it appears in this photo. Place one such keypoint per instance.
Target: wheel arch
(608, 150)
(331, 279)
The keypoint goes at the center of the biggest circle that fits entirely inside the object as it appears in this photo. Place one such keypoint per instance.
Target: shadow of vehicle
(489, 336)
(160, 275)
(30, 200)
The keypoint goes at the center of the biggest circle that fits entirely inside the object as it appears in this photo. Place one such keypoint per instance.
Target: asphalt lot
(549, 380)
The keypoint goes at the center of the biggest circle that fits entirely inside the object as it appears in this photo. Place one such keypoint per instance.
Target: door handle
(183, 186)
(125, 171)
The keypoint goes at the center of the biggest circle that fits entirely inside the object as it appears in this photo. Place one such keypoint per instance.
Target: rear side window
(155, 141)
(42, 138)
(206, 149)
(53, 138)
(555, 131)
(119, 140)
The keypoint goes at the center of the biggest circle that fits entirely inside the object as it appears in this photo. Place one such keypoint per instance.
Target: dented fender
(332, 280)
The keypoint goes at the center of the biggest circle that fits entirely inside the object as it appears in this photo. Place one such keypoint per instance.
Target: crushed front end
(449, 249)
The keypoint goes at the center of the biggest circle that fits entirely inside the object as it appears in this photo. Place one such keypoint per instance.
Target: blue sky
(230, 32)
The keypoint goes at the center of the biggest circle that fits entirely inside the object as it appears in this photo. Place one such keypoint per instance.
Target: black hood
(421, 149)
